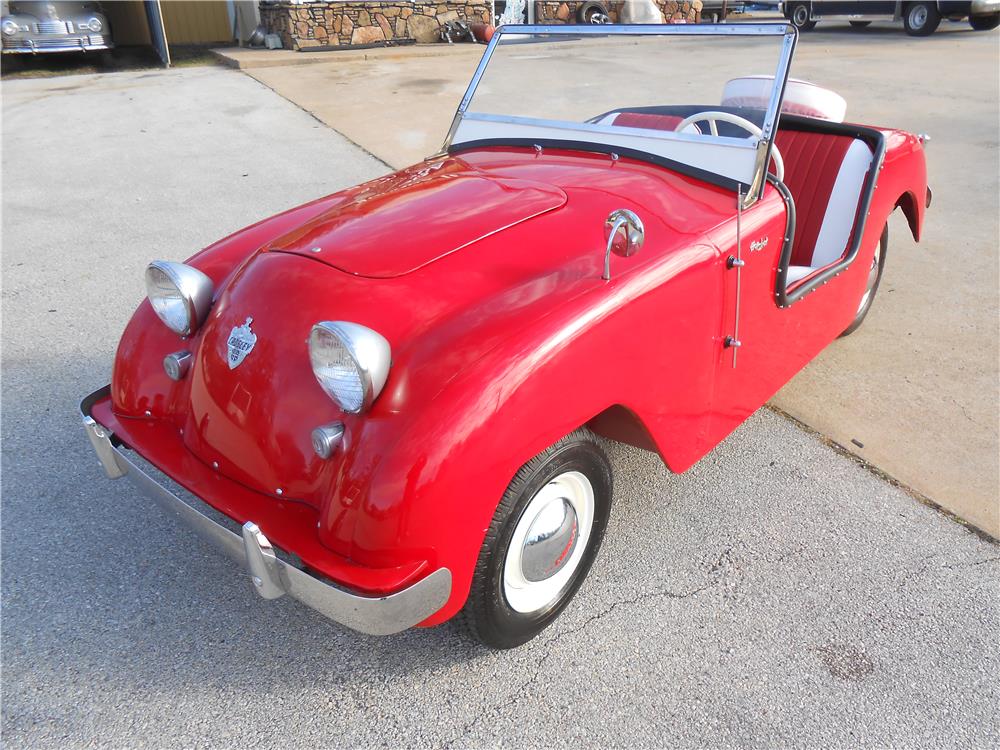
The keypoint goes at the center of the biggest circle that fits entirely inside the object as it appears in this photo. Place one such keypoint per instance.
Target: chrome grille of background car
(53, 27)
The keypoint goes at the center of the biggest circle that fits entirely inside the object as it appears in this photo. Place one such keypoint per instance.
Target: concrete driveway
(777, 594)
(918, 385)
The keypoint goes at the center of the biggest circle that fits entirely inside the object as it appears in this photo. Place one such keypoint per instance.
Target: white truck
(919, 18)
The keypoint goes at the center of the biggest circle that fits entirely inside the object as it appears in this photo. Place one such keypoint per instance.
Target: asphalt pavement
(776, 594)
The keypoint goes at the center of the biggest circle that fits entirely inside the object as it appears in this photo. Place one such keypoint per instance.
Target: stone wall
(327, 24)
(566, 11)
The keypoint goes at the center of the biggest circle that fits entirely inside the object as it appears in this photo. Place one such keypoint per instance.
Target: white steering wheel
(713, 117)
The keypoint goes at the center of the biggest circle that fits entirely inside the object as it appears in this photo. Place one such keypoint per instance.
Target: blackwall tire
(984, 23)
(868, 297)
(593, 13)
(517, 592)
(921, 19)
(798, 14)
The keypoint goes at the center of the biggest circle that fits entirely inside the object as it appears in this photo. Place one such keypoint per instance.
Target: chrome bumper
(271, 576)
(984, 7)
(35, 47)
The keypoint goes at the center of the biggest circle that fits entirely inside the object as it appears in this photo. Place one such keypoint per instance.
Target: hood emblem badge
(241, 342)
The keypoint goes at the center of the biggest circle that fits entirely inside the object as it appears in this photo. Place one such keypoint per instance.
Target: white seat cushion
(843, 206)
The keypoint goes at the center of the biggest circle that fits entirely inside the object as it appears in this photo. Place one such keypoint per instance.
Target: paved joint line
(354, 143)
(884, 475)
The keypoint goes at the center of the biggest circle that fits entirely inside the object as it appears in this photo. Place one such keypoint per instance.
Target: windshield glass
(647, 89)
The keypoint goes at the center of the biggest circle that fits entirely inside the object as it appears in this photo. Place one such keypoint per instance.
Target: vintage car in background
(393, 395)
(29, 27)
(920, 18)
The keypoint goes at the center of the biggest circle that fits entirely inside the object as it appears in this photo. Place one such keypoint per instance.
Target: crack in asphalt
(912, 575)
(716, 572)
(973, 563)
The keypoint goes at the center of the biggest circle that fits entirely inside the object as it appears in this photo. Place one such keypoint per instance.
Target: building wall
(559, 11)
(196, 21)
(128, 22)
(321, 24)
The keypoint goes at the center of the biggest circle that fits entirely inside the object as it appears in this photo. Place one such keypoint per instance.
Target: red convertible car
(389, 403)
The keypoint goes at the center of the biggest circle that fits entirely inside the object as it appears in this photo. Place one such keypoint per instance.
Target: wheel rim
(801, 15)
(549, 542)
(872, 278)
(918, 17)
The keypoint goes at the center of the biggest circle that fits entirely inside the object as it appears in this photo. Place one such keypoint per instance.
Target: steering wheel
(713, 117)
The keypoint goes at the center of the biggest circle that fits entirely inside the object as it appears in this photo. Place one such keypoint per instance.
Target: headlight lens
(180, 295)
(9, 28)
(95, 24)
(350, 362)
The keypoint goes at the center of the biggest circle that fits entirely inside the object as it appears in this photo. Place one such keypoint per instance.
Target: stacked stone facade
(329, 24)
(567, 11)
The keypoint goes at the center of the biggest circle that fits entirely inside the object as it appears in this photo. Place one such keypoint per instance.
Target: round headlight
(350, 362)
(180, 295)
(95, 24)
(10, 28)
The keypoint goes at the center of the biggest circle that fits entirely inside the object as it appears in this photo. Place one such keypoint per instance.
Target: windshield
(702, 97)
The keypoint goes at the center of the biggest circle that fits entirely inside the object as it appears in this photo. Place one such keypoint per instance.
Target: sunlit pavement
(776, 594)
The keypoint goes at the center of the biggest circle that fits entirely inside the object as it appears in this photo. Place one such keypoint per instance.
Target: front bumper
(90, 43)
(984, 7)
(272, 577)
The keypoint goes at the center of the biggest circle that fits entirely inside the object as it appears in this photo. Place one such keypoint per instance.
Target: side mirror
(625, 234)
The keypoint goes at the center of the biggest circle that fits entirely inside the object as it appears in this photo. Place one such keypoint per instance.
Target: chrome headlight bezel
(363, 357)
(10, 27)
(192, 292)
(95, 24)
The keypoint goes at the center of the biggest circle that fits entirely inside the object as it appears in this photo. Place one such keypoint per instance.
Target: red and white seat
(825, 174)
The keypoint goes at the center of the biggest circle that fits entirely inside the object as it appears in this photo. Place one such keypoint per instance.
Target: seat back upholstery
(825, 174)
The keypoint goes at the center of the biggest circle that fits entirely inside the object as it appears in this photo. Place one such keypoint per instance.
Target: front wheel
(593, 13)
(921, 19)
(541, 543)
(799, 16)
(871, 286)
(984, 23)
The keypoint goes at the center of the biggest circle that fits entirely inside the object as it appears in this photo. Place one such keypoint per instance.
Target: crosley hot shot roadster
(393, 394)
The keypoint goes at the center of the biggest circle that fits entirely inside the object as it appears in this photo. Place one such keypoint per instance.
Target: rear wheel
(860, 24)
(984, 23)
(871, 287)
(921, 19)
(799, 16)
(541, 543)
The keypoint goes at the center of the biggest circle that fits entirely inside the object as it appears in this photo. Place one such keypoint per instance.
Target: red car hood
(400, 223)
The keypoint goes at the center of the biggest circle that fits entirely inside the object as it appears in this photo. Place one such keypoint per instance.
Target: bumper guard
(272, 577)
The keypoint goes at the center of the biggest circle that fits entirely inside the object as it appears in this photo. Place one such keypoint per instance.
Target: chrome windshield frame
(780, 29)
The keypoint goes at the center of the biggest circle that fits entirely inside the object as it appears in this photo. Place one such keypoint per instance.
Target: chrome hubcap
(549, 541)
(801, 15)
(918, 17)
